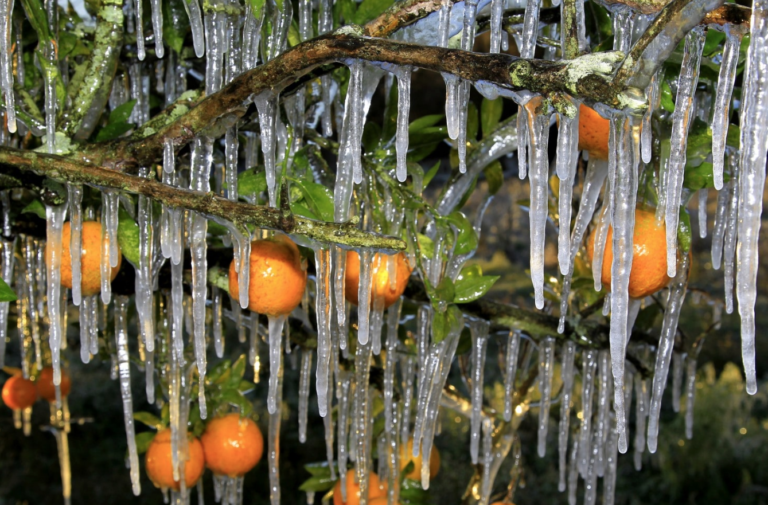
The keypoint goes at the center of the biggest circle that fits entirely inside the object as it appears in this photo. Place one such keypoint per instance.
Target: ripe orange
(90, 258)
(593, 133)
(232, 445)
(277, 279)
(649, 259)
(45, 387)
(406, 456)
(19, 393)
(160, 461)
(376, 489)
(380, 285)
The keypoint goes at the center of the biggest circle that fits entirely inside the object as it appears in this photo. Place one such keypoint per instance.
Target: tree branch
(238, 213)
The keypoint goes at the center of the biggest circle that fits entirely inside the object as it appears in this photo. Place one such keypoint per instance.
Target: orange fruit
(406, 456)
(593, 133)
(277, 279)
(380, 285)
(19, 393)
(649, 258)
(45, 387)
(380, 501)
(160, 461)
(90, 258)
(376, 489)
(232, 445)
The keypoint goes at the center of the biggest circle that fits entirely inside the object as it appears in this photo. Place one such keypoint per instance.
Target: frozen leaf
(494, 175)
(35, 207)
(128, 237)
(6, 293)
(143, 440)
(149, 419)
(471, 288)
(117, 124)
(490, 114)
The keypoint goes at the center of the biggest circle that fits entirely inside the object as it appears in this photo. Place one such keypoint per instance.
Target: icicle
(138, 6)
(344, 390)
(393, 319)
(197, 248)
(196, 25)
(144, 279)
(496, 19)
(177, 308)
(55, 222)
(218, 338)
(407, 367)
(752, 184)
(641, 414)
(530, 30)
(276, 324)
(721, 114)
(364, 296)
(567, 158)
(106, 240)
(444, 24)
(6, 63)
(684, 105)
(403, 109)
(513, 349)
(273, 449)
(75, 197)
(611, 460)
(603, 408)
(328, 425)
(646, 137)
(666, 344)
(392, 441)
(573, 472)
(452, 91)
(149, 375)
(306, 368)
(124, 364)
(6, 273)
(589, 363)
(361, 419)
(468, 32)
(479, 330)
(539, 135)
(703, 193)
(677, 379)
(690, 394)
(718, 232)
(522, 141)
(624, 146)
(731, 233)
(487, 481)
(546, 369)
(566, 373)
(323, 313)
(597, 170)
(266, 103)
(157, 27)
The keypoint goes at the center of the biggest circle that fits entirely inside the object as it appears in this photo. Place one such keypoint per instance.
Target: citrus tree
(258, 174)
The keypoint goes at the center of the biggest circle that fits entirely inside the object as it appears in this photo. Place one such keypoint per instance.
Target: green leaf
(472, 288)
(424, 122)
(319, 469)
(257, 6)
(143, 440)
(302, 210)
(238, 370)
(447, 323)
(412, 493)
(494, 175)
(117, 124)
(371, 136)
(470, 271)
(175, 24)
(667, 102)
(128, 237)
(714, 40)
(684, 233)
(245, 387)
(35, 207)
(445, 291)
(370, 9)
(431, 174)
(733, 138)
(236, 398)
(646, 318)
(473, 122)
(426, 245)
(466, 240)
(319, 199)
(6, 293)
(318, 484)
(149, 419)
(490, 114)
(251, 182)
(218, 373)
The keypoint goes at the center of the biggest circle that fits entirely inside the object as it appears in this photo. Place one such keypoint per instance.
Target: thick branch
(238, 213)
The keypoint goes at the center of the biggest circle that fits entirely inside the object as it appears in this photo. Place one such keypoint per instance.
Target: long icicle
(124, 365)
(538, 128)
(55, 222)
(566, 373)
(721, 114)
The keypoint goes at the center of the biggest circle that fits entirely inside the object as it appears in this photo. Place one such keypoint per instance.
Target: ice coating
(567, 158)
(323, 302)
(273, 433)
(479, 330)
(497, 6)
(393, 320)
(276, 324)
(754, 144)
(6, 63)
(6, 273)
(196, 25)
(197, 249)
(566, 373)
(144, 280)
(690, 394)
(720, 116)
(538, 127)
(677, 289)
(646, 137)
(731, 233)
(510, 367)
(718, 231)
(364, 296)
(603, 407)
(702, 212)
(266, 103)
(546, 369)
(124, 367)
(681, 120)
(55, 222)
(530, 29)
(75, 199)
(589, 364)
(216, 323)
(403, 108)
(304, 379)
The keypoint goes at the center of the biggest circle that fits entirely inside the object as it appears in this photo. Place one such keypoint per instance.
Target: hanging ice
(124, 365)
(6, 63)
(323, 312)
(403, 109)
(144, 279)
(539, 135)
(266, 103)
(566, 373)
(6, 273)
(589, 363)
(721, 114)
(567, 158)
(75, 198)
(55, 222)
(306, 368)
(546, 369)
(393, 319)
(530, 30)
(731, 232)
(675, 300)
(196, 25)
(496, 18)
(276, 324)
(754, 143)
(681, 119)
(690, 393)
(513, 348)
(273, 447)
(646, 138)
(479, 330)
(364, 296)
(216, 323)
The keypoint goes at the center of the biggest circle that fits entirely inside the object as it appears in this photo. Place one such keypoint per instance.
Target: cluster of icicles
(232, 45)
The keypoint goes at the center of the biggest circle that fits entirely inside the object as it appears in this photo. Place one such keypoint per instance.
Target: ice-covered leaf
(445, 291)
(466, 239)
(143, 440)
(667, 102)
(423, 122)
(218, 373)
(319, 469)
(470, 271)
(490, 114)
(446, 323)
(236, 398)
(6, 293)
(426, 245)
(128, 237)
(470, 289)
(176, 23)
(369, 9)
(318, 198)
(494, 175)
(684, 234)
(117, 124)
(473, 122)
(238, 370)
(251, 182)
(34, 207)
(149, 419)
(431, 173)
(317, 483)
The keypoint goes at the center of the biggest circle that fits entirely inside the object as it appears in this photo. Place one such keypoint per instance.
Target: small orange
(45, 387)
(90, 258)
(593, 133)
(277, 279)
(380, 285)
(232, 445)
(406, 456)
(160, 461)
(19, 393)
(649, 259)
(375, 489)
